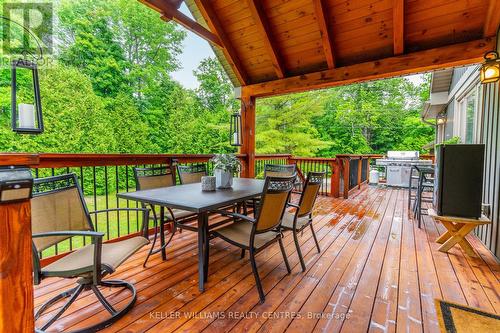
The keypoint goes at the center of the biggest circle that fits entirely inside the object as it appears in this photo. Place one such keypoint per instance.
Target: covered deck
(376, 272)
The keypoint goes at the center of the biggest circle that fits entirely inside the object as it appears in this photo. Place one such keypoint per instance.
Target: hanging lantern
(26, 115)
(441, 119)
(490, 70)
(235, 130)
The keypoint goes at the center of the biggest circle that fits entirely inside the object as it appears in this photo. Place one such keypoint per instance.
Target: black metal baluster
(128, 204)
(117, 200)
(95, 197)
(106, 192)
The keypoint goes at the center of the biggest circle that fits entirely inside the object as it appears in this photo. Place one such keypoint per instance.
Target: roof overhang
(279, 47)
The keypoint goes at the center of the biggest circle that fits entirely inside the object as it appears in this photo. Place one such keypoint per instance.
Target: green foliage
(226, 162)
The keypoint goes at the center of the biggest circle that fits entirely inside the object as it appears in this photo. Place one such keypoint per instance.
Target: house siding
(489, 234)
(489, 127)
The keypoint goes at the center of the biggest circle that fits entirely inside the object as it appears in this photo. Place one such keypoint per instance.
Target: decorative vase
(223, 179)
(208, 183)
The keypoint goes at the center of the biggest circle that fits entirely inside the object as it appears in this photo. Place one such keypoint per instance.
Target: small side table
(458, 228)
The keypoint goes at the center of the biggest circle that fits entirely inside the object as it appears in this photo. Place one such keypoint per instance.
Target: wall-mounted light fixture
(16, 184)
(235, 126)
(235, 130)
(441, 119)
(490, 69)
(27, 115)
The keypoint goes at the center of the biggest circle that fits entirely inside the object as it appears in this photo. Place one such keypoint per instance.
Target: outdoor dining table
(191, 198)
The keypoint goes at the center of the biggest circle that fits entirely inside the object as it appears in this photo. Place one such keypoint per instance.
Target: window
(467, 116)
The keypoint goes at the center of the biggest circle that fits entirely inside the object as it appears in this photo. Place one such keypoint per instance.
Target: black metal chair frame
(176, 223)
(193, 168)
(423, 182)
(271, 185)
(54, 184)
(312, 178)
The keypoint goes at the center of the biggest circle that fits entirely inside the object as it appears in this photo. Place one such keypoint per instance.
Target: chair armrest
(94, 234)
(235, 215)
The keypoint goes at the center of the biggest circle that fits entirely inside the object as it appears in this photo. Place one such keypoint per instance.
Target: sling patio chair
(302, 217)
(255, 234)
(59, 212)
(189, 174)
(156, 177)
(272, 170)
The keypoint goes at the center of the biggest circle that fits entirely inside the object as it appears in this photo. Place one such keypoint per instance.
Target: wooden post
(16, 268)
(346, 166)
(360, 169)
(335, 178)
(248, 135)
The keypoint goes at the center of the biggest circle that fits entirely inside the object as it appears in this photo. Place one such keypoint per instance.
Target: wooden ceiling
(278, 46)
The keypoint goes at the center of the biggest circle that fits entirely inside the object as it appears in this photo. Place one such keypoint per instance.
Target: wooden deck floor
(377, 272)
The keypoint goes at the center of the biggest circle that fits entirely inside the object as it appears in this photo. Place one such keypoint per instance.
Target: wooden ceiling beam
(210, 16)
(327, 41)
(169, 12)
(262, 24)
(492, 20)
(422, 61)
(398, 10)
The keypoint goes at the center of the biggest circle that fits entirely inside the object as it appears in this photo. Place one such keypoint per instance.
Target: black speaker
(458, 184)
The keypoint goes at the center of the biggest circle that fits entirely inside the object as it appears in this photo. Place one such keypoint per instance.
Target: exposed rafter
(398, 23)
(410, 63)
(262, 24)
(492, 19)
(169, 12)
(320, 10)
(210, 16)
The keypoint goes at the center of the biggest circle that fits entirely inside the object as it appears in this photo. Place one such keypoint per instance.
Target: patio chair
(156, 177)
(272, 170)
(189, 174)
(279, 170)
(302, 217)
(59, 212)
(255, 234)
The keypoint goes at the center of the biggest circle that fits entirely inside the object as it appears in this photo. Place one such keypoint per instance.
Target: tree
(284, 124)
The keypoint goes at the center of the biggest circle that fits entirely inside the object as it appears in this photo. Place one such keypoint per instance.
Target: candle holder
(208, 183)
(26, 118)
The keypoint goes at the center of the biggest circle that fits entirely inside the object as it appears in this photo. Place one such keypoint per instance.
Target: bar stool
(414, 178)
(425, 182)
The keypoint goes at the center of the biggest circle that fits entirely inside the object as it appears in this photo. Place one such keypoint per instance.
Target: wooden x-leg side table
(458, 228)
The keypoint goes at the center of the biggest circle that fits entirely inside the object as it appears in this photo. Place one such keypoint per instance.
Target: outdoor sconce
(490, 70)
(440, 119)
(16, 183)
(26, 117)
(235, 130)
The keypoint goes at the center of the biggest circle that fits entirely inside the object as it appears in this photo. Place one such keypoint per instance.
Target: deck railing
(102, 176)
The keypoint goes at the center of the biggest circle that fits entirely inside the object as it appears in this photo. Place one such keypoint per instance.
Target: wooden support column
(360, 170)
(346, 169)
(16, 279)
(335, 178)
(248, 135)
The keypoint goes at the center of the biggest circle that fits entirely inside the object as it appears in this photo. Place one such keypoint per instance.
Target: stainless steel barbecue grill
(398, 165)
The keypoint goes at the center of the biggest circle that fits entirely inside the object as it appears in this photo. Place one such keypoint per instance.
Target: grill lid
(402, 155)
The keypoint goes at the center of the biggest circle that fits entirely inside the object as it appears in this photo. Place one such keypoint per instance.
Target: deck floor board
(377, 272)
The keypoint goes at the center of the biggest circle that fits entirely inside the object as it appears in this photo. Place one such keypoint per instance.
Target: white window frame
(460, 116)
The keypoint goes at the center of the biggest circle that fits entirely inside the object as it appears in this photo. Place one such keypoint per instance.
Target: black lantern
(490, 69)
(235, 130)
(26, 117)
